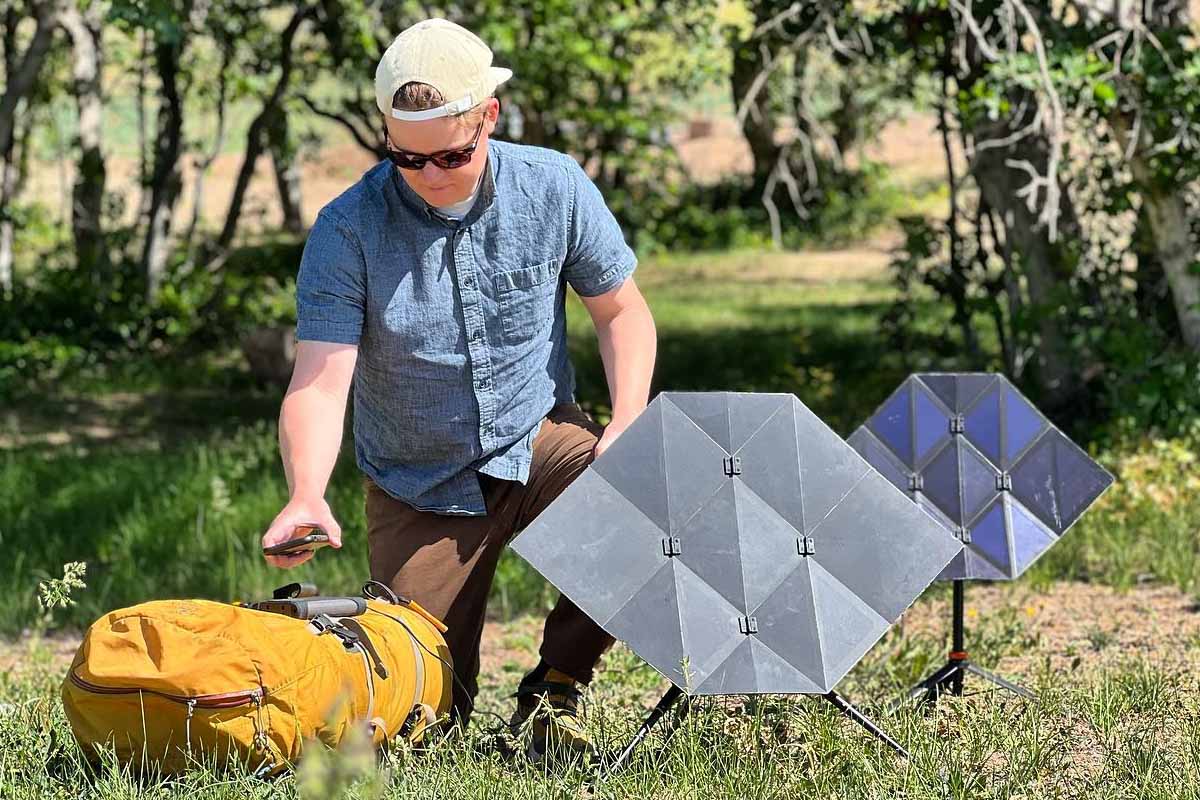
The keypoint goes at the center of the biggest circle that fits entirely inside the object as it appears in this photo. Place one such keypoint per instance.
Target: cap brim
(499, 74)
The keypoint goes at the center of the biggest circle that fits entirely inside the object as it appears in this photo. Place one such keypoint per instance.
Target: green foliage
(66, 322)
(56, 592)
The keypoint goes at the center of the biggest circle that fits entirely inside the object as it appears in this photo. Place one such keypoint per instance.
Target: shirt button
(483, 383)
(468, 283)
(476, 335)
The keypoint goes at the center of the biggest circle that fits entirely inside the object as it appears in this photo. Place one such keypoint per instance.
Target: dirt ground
(1097, 625)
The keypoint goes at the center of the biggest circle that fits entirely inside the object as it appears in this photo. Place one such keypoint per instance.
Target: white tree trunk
(84, 28)
(1167, 215)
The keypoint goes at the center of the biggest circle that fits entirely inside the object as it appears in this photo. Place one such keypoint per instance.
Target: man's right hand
(300, 511)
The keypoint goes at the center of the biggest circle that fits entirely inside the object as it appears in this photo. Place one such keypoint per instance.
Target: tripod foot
(843, 705)
(664, 705)
(1001, 682)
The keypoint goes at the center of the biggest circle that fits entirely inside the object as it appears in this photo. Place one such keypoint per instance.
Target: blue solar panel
(978, 480)
(1022, 424)
(940, 482)
(989, 537)
(985, 460)
(932, 423)
(982, 426)
(893, 425)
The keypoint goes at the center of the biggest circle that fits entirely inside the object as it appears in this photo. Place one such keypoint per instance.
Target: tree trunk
(24, 74)
(205, 164)
(87, 208)
(287, 173)
(1164, 207)
(165, 182)
(759, 125)
(142, 210)
(1167, 216)
(256, 135)
(1047, 265)
(8, 190)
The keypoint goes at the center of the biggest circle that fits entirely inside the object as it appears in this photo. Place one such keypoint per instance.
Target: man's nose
(432, 173)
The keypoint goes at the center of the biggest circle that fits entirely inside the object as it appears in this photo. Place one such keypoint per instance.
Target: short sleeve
(598, 259)
(331, 290)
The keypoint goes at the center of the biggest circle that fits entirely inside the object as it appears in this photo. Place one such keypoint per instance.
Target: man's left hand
(611, 432)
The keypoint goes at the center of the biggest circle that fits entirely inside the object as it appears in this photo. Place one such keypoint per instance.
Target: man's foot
(549, 707)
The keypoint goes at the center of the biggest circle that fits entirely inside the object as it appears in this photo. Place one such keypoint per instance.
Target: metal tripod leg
(843, 705)
(1001, 682)
(934, 683)
(664, 705)
(949, 678)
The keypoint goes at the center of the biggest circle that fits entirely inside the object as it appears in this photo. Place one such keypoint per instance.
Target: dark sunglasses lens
(452, 160)
(405, 161)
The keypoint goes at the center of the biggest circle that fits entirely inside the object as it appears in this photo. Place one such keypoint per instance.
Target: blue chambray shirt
(460, 325)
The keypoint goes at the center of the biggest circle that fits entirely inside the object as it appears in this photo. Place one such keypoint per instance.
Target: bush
(65, 321)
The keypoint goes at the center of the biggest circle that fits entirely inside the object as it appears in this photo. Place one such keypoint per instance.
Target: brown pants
(447, 563)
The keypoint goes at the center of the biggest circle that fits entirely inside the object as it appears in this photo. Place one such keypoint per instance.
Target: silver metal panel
(787, 623)
(709, 546)
(697, 536)
(828, 467)
(710, 412)
(770, 467)
(770, 546)
(849, 627)
(649, 623)
(695, 465)
(636, 466)
(881, 546)
(595, 546)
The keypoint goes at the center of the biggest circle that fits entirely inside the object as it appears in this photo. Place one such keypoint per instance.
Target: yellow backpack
(172, 681)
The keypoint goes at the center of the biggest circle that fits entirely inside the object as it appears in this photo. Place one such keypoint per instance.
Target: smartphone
(310, 537)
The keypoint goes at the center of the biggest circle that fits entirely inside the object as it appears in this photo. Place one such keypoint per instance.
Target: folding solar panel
(738, 545)
(973, 452)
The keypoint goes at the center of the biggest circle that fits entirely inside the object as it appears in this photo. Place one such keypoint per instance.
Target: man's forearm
(628, 344)
(310, 435)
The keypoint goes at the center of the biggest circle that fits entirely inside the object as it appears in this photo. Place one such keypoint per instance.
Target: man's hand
(611, 431)
(299, 512)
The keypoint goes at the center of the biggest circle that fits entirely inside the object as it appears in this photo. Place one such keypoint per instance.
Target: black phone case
(296, 545)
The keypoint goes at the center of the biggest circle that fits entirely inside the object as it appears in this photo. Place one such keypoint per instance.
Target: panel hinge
(916, 483)
(670, 546)
(1003, 482)
(733, 466)
(748, 625)
(958, 424)
(805, 546)
(963, 535)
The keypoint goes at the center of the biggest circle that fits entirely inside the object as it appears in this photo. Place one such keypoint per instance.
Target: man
(436, 284)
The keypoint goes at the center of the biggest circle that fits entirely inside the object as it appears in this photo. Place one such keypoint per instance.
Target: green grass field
(175, 502)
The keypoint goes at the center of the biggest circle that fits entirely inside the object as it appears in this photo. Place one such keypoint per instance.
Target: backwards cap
(444, 55)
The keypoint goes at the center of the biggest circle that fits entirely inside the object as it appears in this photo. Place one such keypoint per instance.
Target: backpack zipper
(225, 700)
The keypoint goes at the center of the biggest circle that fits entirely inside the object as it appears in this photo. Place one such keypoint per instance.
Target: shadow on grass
(834, 358)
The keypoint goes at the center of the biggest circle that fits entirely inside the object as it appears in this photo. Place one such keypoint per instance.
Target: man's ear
(492, 114)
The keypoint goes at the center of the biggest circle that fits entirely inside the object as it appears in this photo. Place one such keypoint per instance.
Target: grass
(177, 510)
(1126, 729)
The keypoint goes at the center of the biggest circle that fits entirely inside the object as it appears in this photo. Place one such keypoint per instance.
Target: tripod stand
(949, 679)
(674, 694)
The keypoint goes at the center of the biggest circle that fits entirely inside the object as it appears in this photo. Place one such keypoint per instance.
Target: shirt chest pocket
(526, 298)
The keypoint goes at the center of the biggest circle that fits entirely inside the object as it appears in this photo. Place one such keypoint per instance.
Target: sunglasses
(446, 159)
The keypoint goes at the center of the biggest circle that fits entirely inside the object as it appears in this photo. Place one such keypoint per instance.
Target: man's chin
(444, 196)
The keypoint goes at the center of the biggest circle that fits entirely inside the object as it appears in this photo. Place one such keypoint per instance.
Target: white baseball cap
(446, 56)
